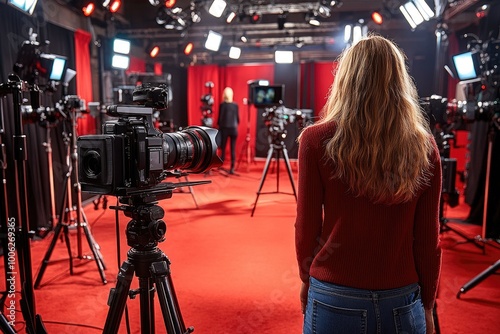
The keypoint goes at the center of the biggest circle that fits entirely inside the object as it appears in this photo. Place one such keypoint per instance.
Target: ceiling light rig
(416, 12)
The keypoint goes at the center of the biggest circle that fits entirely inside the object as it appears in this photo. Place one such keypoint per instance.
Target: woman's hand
(429, 322)
(304, 289)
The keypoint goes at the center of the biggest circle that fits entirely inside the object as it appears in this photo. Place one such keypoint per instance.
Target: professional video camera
(132, 155)
(276, 118)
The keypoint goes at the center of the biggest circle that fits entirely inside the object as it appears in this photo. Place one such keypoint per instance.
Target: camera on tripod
(48, 117)
(132, 154)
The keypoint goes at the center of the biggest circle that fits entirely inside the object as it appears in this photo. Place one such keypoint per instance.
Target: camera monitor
(268, 96)
(466, 65)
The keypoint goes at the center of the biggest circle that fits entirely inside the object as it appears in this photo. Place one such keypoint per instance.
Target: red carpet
(234, 273)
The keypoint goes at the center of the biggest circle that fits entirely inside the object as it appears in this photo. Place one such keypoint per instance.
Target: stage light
(255, 17)
(188, 48)
(121, 46)
(120, 62)
(243, 38)
(115, 6)
(217, 8)
(283, 57)
(416, 12)
(230, 17)
(195, 17)
(88, 9)
(234, 52)
(312, 19)
(27, 5)
(482, 11)
(324, 11)
(154, 51)
(377, 18)
(170, 3)
(213, 41)
(154, 2)
(347, 32)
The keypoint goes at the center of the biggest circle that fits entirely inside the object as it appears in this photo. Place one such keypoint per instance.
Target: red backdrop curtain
(86, 124)
(237, 78)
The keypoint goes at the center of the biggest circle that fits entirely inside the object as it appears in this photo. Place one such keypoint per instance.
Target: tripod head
(147, 228)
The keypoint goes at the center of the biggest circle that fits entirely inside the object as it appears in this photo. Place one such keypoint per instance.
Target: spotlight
(170, 3)
(28, 5)
(154, 2)
(120, 62)
(283, 57)
(121, 46)
(377, 18)
(115, 6)
(416, 12)
(188, 48)
(243, 38)
(162, 16)
(154, 51)
(255, 17)
(217, 8)
(312, 19)
(88, 9)
(324, 11)
(234, 52)
(195, 17)
(213, 41)
(230, 17)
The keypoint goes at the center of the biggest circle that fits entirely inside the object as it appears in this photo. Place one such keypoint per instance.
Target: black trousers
(232, 134)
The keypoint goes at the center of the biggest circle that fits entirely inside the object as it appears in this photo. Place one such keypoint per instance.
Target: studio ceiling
(137, 21)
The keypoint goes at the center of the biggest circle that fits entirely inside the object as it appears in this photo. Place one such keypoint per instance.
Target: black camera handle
(15, 87)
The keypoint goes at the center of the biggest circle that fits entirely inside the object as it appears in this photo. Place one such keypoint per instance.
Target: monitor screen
(466, 65)
(58, 66)
(268, 96)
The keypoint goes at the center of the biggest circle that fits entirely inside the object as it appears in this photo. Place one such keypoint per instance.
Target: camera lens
(194, 149)
(91, 164)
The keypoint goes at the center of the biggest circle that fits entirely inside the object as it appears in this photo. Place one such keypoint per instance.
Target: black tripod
(67, 210)
(150, 265)
(277, 148)
(247, 149)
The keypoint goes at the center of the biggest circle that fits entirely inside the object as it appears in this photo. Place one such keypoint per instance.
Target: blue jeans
(336, 309)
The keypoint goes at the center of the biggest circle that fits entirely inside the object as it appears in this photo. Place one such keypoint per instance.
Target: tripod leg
(479, 278)
(266, 168)
(289, 169)
(147, 305)
(118, 298)
(97, 257)
(93, 242)
(168, 300)
(57, 230)
(68, 247)
(5, 326)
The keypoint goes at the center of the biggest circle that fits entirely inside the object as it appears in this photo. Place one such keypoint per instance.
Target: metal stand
(277, 147)
(479, 278)
(247, 149)
(48, 149)
(190, 191)
(493, 268)
(67, 205)
(151, 266)
(34, 324)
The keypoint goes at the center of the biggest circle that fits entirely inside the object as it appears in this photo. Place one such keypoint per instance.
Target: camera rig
(276, 119)
(132, 154)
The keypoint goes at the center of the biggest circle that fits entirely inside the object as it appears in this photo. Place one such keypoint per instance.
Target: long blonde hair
(227, 94)
(381, 146)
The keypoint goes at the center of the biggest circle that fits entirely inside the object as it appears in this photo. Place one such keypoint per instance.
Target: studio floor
(234, 273)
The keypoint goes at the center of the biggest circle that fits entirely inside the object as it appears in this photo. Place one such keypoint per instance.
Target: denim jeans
(336, 309)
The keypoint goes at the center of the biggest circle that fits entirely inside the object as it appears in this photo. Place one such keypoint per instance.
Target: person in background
(367, 225)
(228, 125)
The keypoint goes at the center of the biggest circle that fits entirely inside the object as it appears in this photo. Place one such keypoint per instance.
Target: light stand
(247, 149)
(15, 87)
(79, 219)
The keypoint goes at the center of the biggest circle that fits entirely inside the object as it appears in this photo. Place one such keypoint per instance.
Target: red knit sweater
(350, 241)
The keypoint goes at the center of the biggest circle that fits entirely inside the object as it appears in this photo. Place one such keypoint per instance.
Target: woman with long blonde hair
(367, 221)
